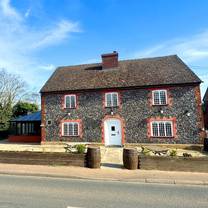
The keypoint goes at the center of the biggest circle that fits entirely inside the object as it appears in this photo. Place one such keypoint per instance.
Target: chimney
(109, 60)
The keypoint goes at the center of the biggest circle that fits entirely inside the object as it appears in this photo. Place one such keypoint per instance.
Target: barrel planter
(130, 158)
(93, 157)
(206, 144)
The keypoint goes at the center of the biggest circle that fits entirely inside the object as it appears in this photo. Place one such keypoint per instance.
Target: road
(35, 192)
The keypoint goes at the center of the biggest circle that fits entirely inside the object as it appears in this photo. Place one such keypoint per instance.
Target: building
(26, 128)
(205, 100)
(151, 100)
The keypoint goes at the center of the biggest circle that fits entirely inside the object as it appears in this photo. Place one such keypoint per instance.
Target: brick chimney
(110, 60)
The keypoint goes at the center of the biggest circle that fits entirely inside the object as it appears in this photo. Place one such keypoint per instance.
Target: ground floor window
(70, 129)
(162, 129)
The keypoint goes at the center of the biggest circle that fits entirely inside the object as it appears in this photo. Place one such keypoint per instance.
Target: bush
(145, 151)
(80, 148)
(173, 152)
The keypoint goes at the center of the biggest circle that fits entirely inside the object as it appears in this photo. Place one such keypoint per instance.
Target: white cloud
(20, 41)
(48, 67)
(8, 10)
(57, 34)
(27, 13)
(193, 50)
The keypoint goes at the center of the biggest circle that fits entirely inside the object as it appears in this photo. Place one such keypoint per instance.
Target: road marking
(74, 207)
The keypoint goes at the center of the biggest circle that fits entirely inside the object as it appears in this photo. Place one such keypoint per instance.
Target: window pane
(163, 97)
(168, 128)
(67, 101)
(65, 129)
(70, 125)
(155, 129)
(75, 129)
(115, 99)
(108, 100)
(156, 98)
(161, 129)
(73, 101)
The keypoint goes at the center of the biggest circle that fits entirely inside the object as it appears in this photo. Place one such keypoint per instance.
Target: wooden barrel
(93, 157)
(130, 158)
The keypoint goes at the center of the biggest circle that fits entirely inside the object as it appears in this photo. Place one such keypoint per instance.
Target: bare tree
(11, 89)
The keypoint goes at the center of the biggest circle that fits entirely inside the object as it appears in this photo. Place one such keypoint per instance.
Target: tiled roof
(30, 117)
(129, 73)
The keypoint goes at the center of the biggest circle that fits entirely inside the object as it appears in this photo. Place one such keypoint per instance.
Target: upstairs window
(70, 101)
(162, 129)
(111, 99)
(70, 129)
(159, 97)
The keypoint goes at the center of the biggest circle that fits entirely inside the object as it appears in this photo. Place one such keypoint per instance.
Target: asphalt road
(35, 192)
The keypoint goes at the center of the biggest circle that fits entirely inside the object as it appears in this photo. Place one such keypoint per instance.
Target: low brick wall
(39, 158)
(192, 164)
(24, 139)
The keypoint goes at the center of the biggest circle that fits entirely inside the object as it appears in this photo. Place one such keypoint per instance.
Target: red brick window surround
(70, 101)
(70, 128)
(111, 99)
(162, 127)
(159, 97)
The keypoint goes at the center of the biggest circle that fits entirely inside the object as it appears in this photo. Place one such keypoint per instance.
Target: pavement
(107, 174)
(111, 170)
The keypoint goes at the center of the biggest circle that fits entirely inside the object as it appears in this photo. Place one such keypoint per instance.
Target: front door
(112, 132)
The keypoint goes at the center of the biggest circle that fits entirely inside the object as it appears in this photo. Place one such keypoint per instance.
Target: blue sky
(36, 36)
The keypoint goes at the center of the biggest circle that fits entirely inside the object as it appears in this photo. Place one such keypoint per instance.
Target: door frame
(123, 129)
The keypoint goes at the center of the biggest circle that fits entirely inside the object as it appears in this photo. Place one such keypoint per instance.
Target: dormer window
(159, 97)
(70, 101)
(111, 99)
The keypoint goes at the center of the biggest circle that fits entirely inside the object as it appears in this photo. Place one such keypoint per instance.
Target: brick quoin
(43, 119)
(200, 122)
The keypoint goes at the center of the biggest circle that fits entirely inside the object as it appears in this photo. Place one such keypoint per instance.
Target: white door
(112, 132)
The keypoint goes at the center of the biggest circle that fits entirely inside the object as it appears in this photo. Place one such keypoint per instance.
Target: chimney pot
(110, 60)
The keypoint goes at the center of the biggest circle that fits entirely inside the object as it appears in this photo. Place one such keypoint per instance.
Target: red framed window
(111, 99)
(70, 101)
(161, 129)
(70, 129)
(159, 97)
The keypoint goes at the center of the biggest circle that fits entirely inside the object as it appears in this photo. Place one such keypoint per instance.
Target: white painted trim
(166, 97)
(111, 93)
(73, 128)
(70, 95)
(170, 122)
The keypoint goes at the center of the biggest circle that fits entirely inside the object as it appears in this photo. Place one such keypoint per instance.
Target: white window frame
(157, 122)
(166, 97)
(75, 98)
(69, 122)
(111, 93)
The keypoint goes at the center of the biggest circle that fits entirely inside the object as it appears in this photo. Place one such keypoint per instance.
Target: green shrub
(80, 148)
(145, 151)
(173, 152)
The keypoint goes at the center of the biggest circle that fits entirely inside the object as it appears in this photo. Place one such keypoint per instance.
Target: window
(70, 129)
(162, 129)
(111, 99)
(70, 101)
(159, 97)
(113, 128)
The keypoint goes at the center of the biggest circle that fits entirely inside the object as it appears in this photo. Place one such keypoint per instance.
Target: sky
(36, 36)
